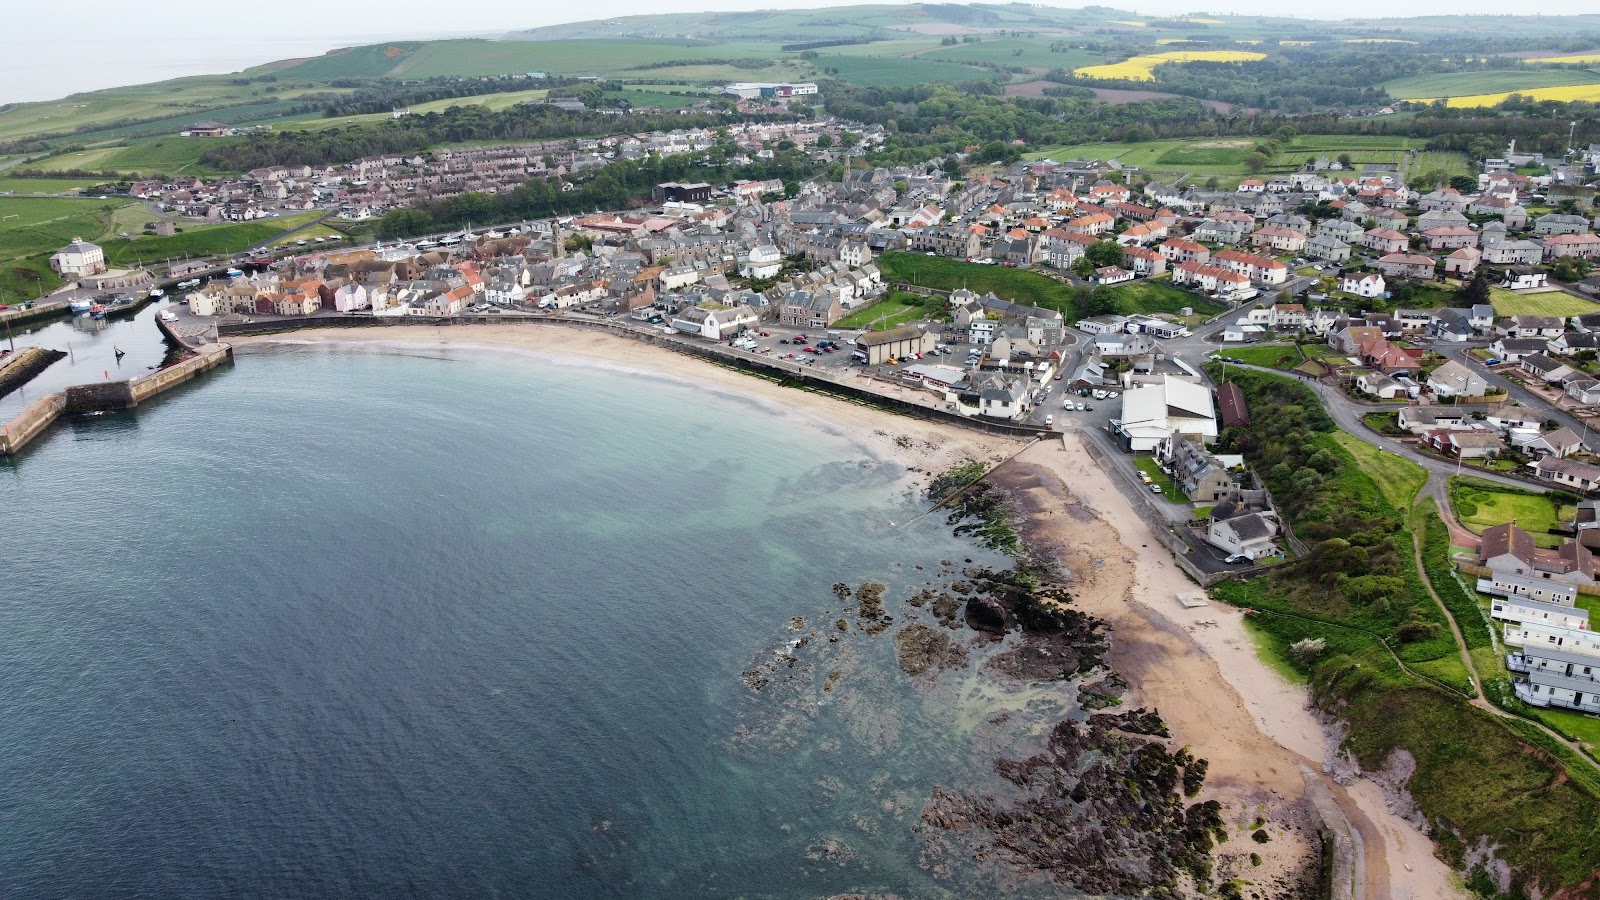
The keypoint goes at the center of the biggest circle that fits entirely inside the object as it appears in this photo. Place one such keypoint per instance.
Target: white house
(1367, 285)
(78, 259)
(764, 261)
(1249, 535)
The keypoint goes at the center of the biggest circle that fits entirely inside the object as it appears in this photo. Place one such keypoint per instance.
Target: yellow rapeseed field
(1565, 94)
(1581, 59)
(1296, 43)
(1377, 41)
(1139, 68)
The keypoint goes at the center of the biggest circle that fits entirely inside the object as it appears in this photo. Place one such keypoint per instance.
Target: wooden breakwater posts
(20, 368)
(106, 396)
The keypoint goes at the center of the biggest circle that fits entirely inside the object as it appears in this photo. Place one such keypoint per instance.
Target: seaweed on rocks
(921, 649)
(873, 619)
(1100, 809)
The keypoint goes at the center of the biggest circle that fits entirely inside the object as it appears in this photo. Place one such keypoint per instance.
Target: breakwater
(20, 368)
(107, 396)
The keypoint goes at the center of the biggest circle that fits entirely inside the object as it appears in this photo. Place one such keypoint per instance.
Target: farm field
(896, 71)
(1141, 68)
(1578, 58)
(492, 102)
(204, 240)
(33, 225)
(181, 97)
(1551, 303)
(166, 155)
(413, 59)
(1224, 156)
(1462, 84)
(1568, 94)
(45, 185)
(1035, 53)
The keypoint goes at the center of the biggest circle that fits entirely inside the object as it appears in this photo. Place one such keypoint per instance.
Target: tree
(1477, 290)
(1104, 253)
(1255, 162)
(1344, 160)
(1306, 650)
(1463, 183)
(1082, 267)
(824, 142)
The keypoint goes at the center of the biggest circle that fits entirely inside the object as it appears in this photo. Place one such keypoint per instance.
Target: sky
(171, 38)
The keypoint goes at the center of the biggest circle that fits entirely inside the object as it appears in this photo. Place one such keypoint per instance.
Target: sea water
(417, 623)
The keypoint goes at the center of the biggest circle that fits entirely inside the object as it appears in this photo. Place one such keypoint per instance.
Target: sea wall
(30, 423)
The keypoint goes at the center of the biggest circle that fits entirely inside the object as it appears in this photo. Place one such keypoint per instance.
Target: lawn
(46, 185)
(1398, 478)
(1266, 357)
(1551, 303)
(1169, 487)
(890, 312)
(1480, 505)
(1008, 284)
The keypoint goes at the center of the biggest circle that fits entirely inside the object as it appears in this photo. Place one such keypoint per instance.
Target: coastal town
(1443, 341)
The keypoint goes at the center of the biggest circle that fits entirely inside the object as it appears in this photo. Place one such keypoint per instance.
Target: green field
(1550, 303)
(206, 240)
(1008, 284)
(1466, 84)
(1397, 477)
(191, 98)
(467, 57)
(170, 155)
(1443, 164)
(891, 312)
(1479, 505)
(45, 185)
(33, 228)
(897, 71)
(1033, 53)
(1157, 295)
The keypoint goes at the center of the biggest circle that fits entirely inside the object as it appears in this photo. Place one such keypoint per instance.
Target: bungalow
(1584, 390)
(1533, 326)
(1379, 385)
(1559, 443)
(1524, 277)
(1389, 359)
(1105, 324)
(1567, 473)
(1465, 444)
(1420, 419)
(1456, 380)
(1114, 345)
(715, 323)
(1407, 265)
(1453, 325)
(1511, 349)
(1539, 365)
(1108, 275)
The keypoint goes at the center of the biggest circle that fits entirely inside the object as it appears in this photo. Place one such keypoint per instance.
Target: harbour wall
(106, 396)
(24, 365)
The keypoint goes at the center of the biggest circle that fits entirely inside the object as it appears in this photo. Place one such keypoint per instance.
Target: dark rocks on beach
(920, 648)
(1100, 810)
(987, 615)
(873, 619)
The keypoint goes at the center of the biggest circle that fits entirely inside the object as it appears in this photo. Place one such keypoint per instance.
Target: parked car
(1049, 421)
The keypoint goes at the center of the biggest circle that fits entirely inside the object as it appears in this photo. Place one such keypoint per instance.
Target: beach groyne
(21, 367)
(106, 396)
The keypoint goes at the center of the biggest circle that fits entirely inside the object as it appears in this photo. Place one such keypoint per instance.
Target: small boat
(168, 315)
(157, 293)
(120, 353)
(80, 306)
(98, 311)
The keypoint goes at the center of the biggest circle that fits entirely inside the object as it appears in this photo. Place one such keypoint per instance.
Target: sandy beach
(1269, 753)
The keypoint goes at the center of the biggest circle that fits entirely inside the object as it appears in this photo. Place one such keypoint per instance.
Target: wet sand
(1268, 751)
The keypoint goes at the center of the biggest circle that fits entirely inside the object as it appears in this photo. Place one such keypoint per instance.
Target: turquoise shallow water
(353, 623)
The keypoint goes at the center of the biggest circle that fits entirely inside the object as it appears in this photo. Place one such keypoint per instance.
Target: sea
(389, 622)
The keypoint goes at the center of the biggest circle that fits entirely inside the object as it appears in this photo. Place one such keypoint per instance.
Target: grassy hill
(1463, 84)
